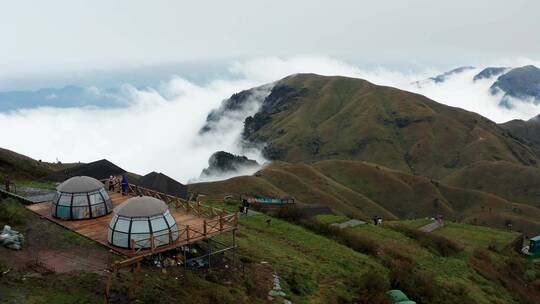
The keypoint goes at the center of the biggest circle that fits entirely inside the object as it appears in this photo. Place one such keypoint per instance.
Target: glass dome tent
(80, 197)
(137, 219)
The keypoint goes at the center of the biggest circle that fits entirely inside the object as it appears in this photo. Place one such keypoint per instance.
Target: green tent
(398, 297)
(534, 245)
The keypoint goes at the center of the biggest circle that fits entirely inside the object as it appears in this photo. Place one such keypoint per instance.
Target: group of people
(115, 180)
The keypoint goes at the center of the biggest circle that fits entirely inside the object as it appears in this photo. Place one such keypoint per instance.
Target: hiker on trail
(245, 205)
(6, 183)
(124, 185)
(440, 219)
(111, 183)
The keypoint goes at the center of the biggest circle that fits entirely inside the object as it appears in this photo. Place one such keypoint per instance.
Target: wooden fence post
(187, 233)
(221, 222)
(204, 229)
(152, 244)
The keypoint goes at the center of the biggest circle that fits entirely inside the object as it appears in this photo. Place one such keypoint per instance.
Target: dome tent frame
(142, 224)
(81, 198)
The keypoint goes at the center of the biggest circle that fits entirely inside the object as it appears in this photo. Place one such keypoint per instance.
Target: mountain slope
(100, 169)
(363, 190)
(513, 182)
(308, 117)
(489, 72)
(523, 83)
(528, 130)
(19, 166)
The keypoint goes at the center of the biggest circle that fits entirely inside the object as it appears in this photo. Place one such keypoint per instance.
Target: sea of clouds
(158, 128)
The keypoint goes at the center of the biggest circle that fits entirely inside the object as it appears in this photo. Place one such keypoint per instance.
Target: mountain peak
(520, 83)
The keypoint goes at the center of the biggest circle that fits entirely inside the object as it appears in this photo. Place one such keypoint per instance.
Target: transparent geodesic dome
(81, 197)
(137, 219)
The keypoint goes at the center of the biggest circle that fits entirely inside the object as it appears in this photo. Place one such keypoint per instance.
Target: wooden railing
(21, 199)
(172, 201)
(186, 233)
(215, 221)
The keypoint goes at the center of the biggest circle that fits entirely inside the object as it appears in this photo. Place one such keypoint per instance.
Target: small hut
(80, 197)
(534, 246)
(397, 296)
(137, 219)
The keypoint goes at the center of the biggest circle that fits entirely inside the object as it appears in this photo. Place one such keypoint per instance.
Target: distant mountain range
(365, 149)
(68, 96)
(521, 83)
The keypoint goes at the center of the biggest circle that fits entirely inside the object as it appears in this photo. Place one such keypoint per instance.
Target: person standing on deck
(116, 183)
(124, 184)
(7, 183)
(111, 183)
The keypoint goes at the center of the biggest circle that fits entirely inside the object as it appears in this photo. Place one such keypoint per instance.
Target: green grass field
(313, 267)
(328, 269)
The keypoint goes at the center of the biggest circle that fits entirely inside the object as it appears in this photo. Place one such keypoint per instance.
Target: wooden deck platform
(191, 226)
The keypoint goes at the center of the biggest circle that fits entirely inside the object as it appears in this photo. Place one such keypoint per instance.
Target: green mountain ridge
(363, 190)
(365, 150)
(309, 117)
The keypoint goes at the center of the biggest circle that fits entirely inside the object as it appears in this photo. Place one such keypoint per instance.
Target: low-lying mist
(158, 129)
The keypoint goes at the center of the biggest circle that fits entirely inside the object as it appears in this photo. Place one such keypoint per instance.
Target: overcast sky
(41, 37)
(217, 48)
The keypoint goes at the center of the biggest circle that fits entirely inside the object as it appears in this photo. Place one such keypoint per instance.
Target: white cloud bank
(158, 130)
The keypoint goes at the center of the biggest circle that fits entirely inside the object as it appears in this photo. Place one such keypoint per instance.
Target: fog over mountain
(157, 128)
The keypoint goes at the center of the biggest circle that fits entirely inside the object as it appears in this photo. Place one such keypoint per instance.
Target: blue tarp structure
(269, 200)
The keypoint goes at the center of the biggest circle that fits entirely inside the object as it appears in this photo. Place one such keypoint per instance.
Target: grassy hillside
(510, 181)
(18, 166)
(309, 117)
(312, 268)
(363, 190)
(315, 265)
(528, 130)
(455, 276)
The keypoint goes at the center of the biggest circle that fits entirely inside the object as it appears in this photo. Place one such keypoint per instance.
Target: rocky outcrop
(223, 162)
(521, 83)
(489, 73)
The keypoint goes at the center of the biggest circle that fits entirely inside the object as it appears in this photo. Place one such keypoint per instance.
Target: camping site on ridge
(272, 152)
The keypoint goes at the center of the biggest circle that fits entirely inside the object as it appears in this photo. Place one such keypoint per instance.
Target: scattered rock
(11, 239)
